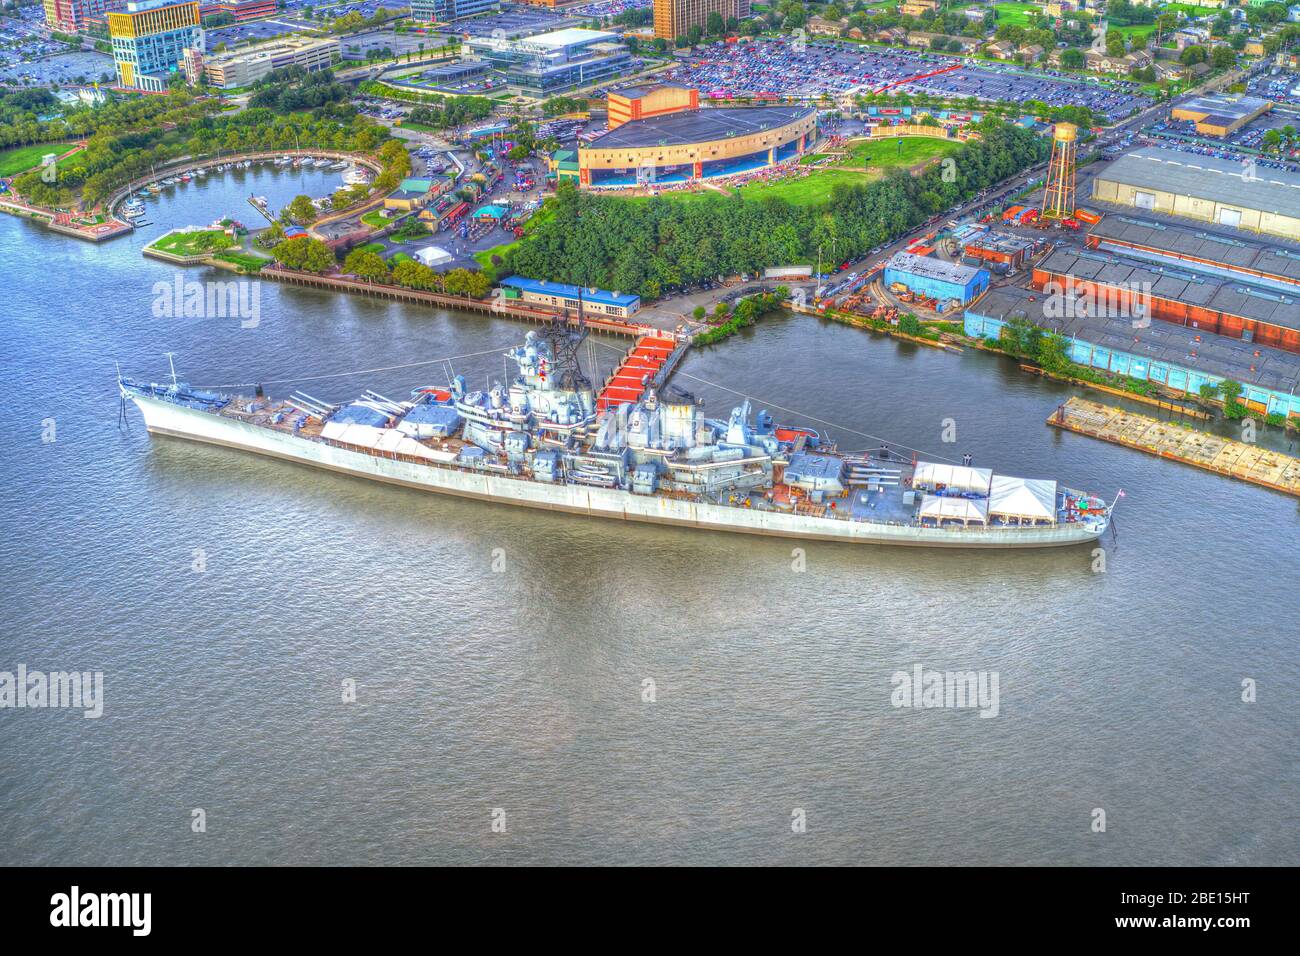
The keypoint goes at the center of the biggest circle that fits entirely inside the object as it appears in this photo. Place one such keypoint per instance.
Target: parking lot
(64, 69)
(516, 23)
(238, 33)
(1282, 86)
(777, 68)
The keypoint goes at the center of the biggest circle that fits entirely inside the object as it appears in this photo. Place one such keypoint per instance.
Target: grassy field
(375, 219)
(875, 156)
(245, 260)
(1191, 9)
(899, 151)
(1135, 30)
(194, 243)
(22, 158)
(808, 191)
(1016, 14)
(378, 247)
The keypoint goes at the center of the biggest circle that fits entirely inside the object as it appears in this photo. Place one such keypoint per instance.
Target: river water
(520, 695)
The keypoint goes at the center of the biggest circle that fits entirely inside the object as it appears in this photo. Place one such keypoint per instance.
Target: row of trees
(652, 247)
(448, 111)
(293, 88)
(115, 155)
(411, 274)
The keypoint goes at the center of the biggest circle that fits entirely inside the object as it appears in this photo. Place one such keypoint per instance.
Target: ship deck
(884, 504)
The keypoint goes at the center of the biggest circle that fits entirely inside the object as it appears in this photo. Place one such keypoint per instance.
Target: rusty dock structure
(1223, 456)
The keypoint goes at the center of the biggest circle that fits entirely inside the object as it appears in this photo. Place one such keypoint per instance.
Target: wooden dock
(501, 307)
(1223, 456)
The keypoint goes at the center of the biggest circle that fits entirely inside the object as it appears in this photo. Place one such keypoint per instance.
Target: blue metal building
(935, 278)
(1178, 358)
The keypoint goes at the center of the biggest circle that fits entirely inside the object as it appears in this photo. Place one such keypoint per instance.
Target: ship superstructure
(540, 441)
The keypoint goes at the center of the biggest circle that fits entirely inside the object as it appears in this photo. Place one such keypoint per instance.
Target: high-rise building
(674, 18)
(149, 41)
(70, 16)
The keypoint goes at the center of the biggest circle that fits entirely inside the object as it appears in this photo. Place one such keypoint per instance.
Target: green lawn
(899, 151)
(22, 158)
(420, 127)
(245, 260)
(1016, 14)
(875, 155)
(1191, 9)
(374, 219)
(194, 243)
(377, 247)
(808, 191)
(397, 257)
(1135, 30)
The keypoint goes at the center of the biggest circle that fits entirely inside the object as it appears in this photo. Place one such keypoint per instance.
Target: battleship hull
(178, 421)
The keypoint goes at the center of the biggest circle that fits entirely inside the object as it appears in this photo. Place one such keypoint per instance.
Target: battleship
(542, 441)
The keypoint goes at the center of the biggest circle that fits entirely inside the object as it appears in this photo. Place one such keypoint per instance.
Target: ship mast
(565, 342)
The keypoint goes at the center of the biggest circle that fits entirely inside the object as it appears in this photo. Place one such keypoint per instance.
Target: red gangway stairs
(638, 369)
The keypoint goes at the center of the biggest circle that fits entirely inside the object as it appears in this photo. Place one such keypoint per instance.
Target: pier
(1223, 456)
(395, 293)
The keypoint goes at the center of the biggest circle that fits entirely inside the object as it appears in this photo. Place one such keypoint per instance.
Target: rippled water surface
(523, 690)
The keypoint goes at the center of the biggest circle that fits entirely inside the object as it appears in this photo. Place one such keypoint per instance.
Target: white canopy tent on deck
(961, 478)
(1023, 499)
(965, 510)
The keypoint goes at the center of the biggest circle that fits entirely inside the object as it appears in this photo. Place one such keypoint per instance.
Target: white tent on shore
(1023, 499)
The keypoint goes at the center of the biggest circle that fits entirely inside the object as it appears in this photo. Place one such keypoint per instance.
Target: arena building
(691, 144)
(643, 102)
(1202, 187)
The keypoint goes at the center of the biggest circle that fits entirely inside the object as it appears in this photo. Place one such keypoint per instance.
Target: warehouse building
(1179, 359)
(696, 144)
(1003, 251)
(935, 279)
(1205, 303)
(561, 295)
(1221, 115)
(1173, 245)
(1211, 190)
